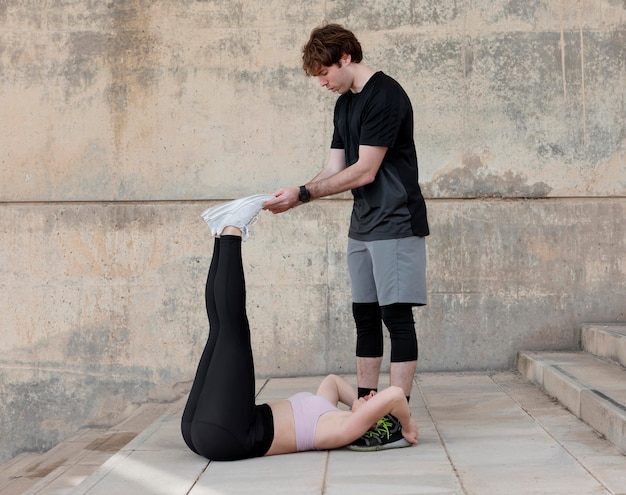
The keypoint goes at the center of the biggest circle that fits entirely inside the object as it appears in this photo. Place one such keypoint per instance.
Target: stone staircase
(66, 465)
(591, 382)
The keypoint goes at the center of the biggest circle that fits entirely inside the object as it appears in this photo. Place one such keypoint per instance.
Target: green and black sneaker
(386, 435)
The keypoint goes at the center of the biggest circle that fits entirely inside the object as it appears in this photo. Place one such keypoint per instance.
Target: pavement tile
(66, 480)
(281, 388)
(147, 472)
(413, 470)
(299, 474)
(144, 416)
(167, 438)
(16, 487)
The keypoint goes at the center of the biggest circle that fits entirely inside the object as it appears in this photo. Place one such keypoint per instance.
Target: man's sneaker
(387, 434)
(241, 213)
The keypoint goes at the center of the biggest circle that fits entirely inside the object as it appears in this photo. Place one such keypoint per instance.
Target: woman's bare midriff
(284, 428)
(329, 431)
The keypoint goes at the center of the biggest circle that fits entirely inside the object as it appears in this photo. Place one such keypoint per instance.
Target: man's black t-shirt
(392, 206)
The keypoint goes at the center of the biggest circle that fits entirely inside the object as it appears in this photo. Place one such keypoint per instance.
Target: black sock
(363, 391)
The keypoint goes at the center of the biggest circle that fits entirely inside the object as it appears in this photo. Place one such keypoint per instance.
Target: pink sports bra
(307, 408)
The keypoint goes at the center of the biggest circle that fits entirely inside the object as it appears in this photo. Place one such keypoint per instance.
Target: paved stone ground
(480, 434)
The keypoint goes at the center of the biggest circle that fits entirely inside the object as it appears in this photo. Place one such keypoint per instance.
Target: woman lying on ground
(221, 420)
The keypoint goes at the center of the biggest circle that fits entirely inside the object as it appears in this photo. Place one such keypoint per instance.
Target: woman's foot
(241, 213)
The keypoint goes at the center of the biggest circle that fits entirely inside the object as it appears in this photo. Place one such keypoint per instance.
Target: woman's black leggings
(221, 420)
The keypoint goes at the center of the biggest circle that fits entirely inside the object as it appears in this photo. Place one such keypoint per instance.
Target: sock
(363, 391)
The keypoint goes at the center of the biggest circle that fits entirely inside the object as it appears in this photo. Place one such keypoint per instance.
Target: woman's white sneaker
(240, 213)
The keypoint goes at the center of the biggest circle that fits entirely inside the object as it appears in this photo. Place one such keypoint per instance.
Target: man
(373, 155)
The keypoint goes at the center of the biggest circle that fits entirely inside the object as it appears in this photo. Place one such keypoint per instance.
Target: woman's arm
(339, 428)
(389, 401)
(335, 389)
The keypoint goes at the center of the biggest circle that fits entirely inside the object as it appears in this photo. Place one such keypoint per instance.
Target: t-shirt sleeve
(337, 141)
(383, 118)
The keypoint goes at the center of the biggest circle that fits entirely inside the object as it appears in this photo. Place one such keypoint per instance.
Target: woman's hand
(411, 432)
(359, 402)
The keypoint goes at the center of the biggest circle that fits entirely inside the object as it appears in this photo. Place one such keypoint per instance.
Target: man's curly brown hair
(326, 45)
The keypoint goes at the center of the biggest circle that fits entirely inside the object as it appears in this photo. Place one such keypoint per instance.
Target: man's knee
(399, 321)
(369, 329)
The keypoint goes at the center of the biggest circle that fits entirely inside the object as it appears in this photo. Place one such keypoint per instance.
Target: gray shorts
(388, 271)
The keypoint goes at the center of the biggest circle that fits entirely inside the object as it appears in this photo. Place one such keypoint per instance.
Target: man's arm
(335, 178)
(336, 163)
(359, 174)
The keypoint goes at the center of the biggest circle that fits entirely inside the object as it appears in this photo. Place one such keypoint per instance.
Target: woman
(221, 420)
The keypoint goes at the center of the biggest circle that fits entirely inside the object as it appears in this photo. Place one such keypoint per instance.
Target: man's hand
(285, 199)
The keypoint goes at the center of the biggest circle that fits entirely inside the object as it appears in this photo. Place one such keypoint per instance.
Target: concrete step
(17, 474)
(591, 388)
(59, 470)
(607, 341)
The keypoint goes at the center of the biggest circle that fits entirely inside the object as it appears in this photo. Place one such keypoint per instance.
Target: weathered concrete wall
(144, 100)
(103, 303)
(122, 121)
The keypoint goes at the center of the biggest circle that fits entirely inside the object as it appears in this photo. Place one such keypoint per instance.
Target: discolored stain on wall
(132, 61)
(474, 179)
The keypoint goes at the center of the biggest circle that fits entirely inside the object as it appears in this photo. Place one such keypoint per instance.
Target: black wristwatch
(304, 196)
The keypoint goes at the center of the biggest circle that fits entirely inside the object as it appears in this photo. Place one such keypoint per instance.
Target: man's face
(335, 78)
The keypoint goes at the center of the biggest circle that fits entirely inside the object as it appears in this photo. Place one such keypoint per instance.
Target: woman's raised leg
(226, 423)
(201, 372)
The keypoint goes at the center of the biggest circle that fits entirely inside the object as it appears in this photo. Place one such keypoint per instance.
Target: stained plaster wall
(123, 120)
